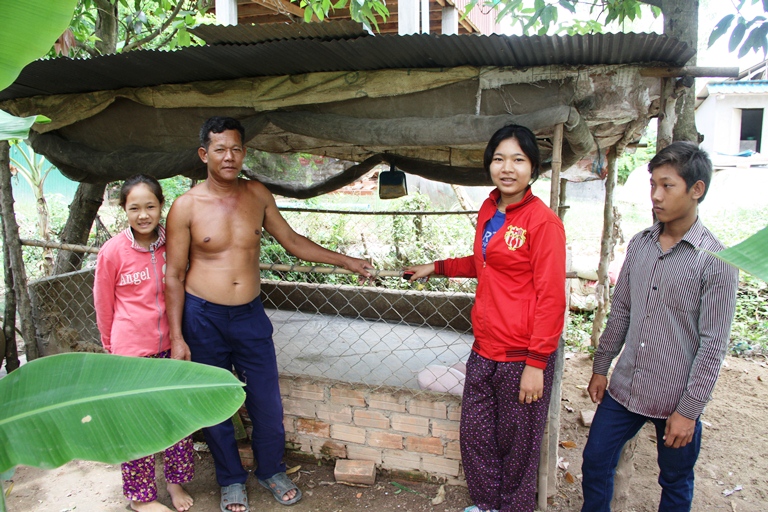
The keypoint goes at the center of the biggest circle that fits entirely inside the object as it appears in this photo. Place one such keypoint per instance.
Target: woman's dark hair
(219, 124)
(524, 137)
(134, 180)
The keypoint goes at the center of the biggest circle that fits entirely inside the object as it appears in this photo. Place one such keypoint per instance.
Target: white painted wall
(719, 119)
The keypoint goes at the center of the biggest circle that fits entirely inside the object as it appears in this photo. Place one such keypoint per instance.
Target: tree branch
(157, 31)
(655, 3)
(93, 52)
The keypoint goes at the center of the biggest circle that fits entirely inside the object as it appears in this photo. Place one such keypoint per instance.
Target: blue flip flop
(279, 484)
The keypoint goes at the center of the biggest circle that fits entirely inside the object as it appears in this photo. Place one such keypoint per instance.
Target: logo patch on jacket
(514, 237)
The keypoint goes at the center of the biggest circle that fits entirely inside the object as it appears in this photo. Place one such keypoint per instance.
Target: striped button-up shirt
(671, 313)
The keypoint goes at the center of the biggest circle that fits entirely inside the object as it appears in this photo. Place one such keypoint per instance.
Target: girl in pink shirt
(130, 313)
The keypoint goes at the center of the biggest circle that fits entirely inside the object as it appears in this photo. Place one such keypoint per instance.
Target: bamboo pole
(557, 163)
(562, 208)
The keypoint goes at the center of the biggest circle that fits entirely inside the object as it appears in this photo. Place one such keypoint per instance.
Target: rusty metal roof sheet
(236, 52)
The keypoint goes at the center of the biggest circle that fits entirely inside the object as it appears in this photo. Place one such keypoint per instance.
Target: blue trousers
(612, 426)
(240, 336)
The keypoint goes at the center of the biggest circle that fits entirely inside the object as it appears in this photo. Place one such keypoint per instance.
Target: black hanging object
(392, 184)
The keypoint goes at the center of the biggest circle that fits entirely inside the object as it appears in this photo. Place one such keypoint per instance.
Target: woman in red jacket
(517, 319)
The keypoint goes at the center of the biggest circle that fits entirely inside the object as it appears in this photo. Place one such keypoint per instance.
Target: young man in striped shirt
(671, 313)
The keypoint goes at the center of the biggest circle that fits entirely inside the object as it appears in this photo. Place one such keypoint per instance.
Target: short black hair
(134, 180)
(219, 124)
(524, 137)
(691, 163)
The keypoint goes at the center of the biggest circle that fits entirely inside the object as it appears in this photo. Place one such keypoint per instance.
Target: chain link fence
(329, 323)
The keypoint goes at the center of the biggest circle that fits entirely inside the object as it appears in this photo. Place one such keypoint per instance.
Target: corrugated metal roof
(739, 87)
(253, 51)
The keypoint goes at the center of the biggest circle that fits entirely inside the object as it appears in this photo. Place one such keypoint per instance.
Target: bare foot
(181, 499)
(149, 506)
(290, 495)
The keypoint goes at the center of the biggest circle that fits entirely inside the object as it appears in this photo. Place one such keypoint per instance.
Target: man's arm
(300, 246)
(178, 237)
(718, 304)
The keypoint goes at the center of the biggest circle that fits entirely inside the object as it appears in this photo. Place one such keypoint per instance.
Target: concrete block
(431, 409)
(313, 427)
(431, 445)
(446, 429)
(348, 433)
(410, 424)
(355, 471)
(364, 418)
(385, 440)
(333, 413)
(348, 396)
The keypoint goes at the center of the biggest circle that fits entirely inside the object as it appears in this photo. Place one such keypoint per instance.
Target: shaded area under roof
(253, 52)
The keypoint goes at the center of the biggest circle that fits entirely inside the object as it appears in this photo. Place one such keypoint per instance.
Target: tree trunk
(44, 229)
(9, 315)
(13, 243)
(465, 202)
(681, 20)
(82, 213)
(106, 26)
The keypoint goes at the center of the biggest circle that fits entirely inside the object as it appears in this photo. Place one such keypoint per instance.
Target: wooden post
(562, 207)
(407, 17)
(667, 114)
(557, 163)
(603, 288)
(547, 474)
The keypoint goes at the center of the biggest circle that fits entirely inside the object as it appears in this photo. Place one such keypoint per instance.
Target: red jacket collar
(527, 198)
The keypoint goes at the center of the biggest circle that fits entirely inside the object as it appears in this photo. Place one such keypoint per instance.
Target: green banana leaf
(12, 127)
(750, 255)
(30, 27)
(107, 408)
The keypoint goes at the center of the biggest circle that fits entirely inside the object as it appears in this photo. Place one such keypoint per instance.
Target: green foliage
(107, 408)
(749, 333)
(628, 162)
(364, 11)
(755, 29)
(749, 255)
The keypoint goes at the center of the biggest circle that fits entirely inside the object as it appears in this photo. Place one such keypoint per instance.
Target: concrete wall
(719, 119)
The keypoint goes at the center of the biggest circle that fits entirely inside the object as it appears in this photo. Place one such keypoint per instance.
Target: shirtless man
(212, 298)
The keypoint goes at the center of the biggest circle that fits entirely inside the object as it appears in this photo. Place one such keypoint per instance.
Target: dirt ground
(734, 455)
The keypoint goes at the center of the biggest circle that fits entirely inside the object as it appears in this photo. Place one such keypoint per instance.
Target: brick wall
(398, 429)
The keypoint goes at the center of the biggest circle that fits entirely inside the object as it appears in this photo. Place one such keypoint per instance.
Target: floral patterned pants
(178, 461)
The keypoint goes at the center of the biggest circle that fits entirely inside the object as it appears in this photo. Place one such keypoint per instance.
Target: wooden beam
(695, 71)
(281, 6)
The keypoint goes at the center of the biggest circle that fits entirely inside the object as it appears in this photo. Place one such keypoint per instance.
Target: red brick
(428, 408)
(385, 440)
(410, 424)
(373, 419)
(355, 452)
(401, 460)
(440, 465)
(348, 433)
(334, 413)
(307, 391)
(453, 450)
(304, 408)
(431, 445)
(288, 424)
(446, 429)
(454, 412)
(344, 395)
(313, 427)
(355, 471)
(334, 449)
(386, 401)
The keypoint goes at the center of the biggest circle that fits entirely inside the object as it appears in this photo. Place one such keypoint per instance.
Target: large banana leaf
(29, 29)
(107, 408)
(12, 127)
(750, 255)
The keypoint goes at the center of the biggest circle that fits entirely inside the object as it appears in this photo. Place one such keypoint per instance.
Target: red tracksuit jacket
(519, 309)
